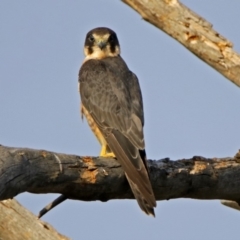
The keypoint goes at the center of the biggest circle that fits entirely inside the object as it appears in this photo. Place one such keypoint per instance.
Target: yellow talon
(106, 152)
(109, 154)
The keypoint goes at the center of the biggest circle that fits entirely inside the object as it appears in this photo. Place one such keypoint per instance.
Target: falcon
(111, 101)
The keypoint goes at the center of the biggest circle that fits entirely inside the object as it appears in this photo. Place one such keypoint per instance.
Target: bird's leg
(106, 152)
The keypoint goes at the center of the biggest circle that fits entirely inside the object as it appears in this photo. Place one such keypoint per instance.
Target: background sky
(190, 109)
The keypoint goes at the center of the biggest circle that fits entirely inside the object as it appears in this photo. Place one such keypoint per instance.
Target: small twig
(51, 205)
(231, 204)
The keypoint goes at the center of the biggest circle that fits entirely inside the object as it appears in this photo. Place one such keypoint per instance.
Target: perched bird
(111, 101)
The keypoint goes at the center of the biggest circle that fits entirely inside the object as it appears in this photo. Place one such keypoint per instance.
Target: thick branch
(89, 178)
(18, 223)
(193, 32)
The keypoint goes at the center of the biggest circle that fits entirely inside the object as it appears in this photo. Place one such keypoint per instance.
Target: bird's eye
(111, 38)
(91, 38)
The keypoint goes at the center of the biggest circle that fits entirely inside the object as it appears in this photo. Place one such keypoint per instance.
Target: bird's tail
(143, 204)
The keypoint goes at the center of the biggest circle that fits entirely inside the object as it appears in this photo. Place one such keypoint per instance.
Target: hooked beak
(102, 44)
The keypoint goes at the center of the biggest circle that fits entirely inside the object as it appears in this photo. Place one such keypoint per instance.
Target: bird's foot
(106, 153)
(109, 154)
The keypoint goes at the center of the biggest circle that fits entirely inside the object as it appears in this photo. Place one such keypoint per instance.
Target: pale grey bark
(17, 223)
(193, 32)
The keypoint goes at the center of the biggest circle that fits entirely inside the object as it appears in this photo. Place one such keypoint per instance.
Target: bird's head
(101, 43)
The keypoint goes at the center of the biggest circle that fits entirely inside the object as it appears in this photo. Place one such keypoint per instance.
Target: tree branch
(193, 32)
(18, 223)
(93, 178)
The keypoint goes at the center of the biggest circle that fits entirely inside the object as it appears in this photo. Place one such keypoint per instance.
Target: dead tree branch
(93, 178)
(193, 32)
(18, 223)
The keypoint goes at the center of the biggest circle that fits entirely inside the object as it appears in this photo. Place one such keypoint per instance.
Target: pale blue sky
(190, 109)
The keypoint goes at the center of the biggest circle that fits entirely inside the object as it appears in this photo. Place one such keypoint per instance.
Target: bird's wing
(112, 96)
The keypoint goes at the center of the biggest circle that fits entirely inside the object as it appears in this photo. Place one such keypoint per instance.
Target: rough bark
(93, 178)
(17, 223)
(193, 32)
